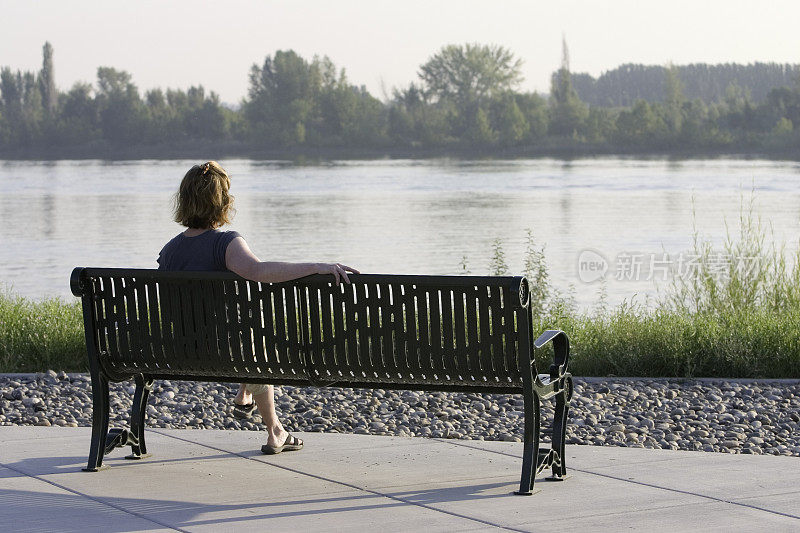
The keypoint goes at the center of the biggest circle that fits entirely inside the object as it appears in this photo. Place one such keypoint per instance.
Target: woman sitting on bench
(203, 204)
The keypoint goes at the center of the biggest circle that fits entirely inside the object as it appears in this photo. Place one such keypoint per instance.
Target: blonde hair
(203, 200)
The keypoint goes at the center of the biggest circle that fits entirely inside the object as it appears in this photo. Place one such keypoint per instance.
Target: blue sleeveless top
(202, 252)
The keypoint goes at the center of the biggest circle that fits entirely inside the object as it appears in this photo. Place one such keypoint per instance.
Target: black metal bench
(444, 333)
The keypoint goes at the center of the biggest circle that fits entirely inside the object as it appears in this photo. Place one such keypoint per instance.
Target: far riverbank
(215, 150)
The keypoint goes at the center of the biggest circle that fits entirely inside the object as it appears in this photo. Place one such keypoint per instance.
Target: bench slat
(422, 332)
(271, 346)
(435, 329)
(142, 324)
(450, 364)
(251, 325)
(459, 333)
(195, 337)
(410, 330)
(154, 322)
(362, 328)
(232, 325)
(396, 330)
(178, 328)
(485, 342)
(471, 318)
(118, 316)
(349, 328)
(377, 355)
(98, 310)
(496, 320)
(384, 304)
(256, 319)
(129, 326)
(314, 340)
(340, 338)
(508, 329)
(166, 323)
(288, 296)
(330, 356)
(383, 344)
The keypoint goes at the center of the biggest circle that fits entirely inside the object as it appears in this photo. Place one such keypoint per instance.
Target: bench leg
(138, 415)
(560, 432)
(100, 405)
(530, 454)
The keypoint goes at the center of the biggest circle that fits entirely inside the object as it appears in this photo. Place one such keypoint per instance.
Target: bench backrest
(443, 332)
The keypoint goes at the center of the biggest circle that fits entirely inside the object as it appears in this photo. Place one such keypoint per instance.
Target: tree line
(466, 97)
(626, 84)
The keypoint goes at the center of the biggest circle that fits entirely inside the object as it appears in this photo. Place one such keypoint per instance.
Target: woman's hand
(338, 270)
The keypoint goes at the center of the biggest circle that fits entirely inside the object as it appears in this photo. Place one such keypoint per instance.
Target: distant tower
(563, 84)
(47, 80)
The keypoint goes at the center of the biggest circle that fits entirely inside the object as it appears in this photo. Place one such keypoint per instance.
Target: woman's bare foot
(276, 435)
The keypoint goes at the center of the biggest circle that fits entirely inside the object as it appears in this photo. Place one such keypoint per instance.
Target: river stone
(725, 415)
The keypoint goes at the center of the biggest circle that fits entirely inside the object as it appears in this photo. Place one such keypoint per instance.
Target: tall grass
(40, 335)
(745, 275)
(736, 314)
(630, 341)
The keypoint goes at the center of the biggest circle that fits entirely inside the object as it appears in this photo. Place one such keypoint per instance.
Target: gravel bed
(711, 415)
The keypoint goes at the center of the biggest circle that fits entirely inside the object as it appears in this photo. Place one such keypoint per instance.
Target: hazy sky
(382, 44)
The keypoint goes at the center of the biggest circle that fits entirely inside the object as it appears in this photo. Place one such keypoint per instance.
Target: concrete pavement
(207, 480)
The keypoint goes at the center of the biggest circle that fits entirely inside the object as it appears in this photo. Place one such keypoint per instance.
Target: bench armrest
(560, 348)
(76, 281)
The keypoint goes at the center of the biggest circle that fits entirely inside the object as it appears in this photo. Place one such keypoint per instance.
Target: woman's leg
(243, 396)
(265, 401)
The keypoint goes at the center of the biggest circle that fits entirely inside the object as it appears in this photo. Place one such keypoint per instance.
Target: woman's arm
(241, 260)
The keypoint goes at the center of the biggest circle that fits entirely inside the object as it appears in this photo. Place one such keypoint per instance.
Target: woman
(203, 204)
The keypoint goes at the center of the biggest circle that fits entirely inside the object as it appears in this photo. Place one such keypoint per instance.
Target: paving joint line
(92, 498)
(349, 485)
(643, 483)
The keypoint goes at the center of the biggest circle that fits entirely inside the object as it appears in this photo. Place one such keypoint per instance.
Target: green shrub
(40, 335)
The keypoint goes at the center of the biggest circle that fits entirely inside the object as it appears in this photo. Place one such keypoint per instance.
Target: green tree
(416, 121)
(402, 117)
(11, 91)
(32, 110)
(283, 94)
(782, 102)
(204, 118)
(534, 109)
(78, 117)
(470, 71)
(640, 126)
(21, 107)
(161, 123)
(599, 126)
(120, 107)
(370, 124)
(479, 130)
(511, 125)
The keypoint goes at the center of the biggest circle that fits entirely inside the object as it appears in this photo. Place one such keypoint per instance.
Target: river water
(608, 218)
